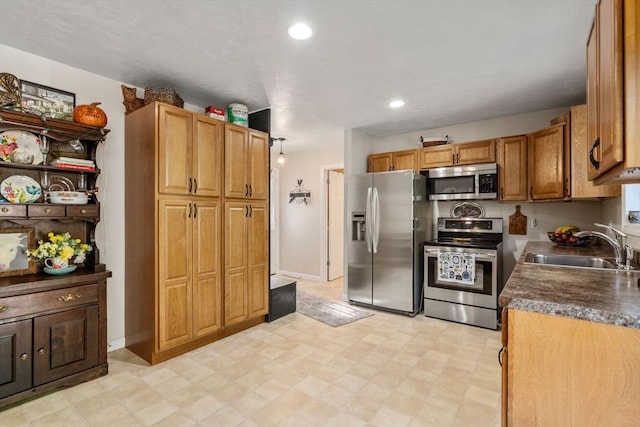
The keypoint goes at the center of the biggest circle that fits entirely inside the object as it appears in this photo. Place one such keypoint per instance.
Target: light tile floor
(384, 370)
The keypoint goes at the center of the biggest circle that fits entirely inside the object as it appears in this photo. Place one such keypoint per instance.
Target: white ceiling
(452, 61)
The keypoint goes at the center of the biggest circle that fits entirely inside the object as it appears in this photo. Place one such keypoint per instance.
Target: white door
(335, 216)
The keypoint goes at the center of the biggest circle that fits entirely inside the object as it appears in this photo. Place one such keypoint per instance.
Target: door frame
(324, 242)
(274, 215)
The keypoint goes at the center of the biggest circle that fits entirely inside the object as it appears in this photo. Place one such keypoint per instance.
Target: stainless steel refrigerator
(389, 221)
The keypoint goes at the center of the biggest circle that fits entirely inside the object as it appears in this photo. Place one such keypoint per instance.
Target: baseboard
(299, 276)
(116, 344)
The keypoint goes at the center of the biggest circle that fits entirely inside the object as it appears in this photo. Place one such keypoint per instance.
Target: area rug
(327, 311)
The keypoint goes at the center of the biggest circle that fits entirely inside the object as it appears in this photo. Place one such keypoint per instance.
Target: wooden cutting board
(518, 222)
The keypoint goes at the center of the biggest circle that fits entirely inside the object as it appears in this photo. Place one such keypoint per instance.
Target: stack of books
(72, 163)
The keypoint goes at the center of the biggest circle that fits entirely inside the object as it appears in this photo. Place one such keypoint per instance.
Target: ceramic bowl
(69, 197)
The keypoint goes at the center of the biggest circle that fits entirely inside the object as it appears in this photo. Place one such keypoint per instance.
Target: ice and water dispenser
(358, 226)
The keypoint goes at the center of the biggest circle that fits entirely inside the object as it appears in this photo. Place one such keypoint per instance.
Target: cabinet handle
(250, 210)
(246, 189)
(69, 297)
(24, 356)
(500, 356)
(453, 159)
(531, 192)
(195, 210)
(47, 210)
(41, 351)
(83, 211)
(189, 216)
(3, 308)
(190, 184)
(457, 158)
(592, 159)
(250, 190)
(195, 185)
(5, 210)
(246, 211)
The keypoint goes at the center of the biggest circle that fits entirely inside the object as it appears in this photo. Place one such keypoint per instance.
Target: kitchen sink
(569, 261)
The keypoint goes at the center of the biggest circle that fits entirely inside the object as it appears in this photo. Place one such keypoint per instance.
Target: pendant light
(281, 161)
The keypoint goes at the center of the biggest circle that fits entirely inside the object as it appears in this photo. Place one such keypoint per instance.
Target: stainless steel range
(463, 271)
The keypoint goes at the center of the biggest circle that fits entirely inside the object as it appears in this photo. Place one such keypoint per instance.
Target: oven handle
(487, 256)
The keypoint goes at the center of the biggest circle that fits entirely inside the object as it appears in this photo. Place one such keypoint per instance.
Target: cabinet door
(258, 260)
(64, 343)
(174, 150)
(258, 165)
(504, 361)
(512, 168)
(15, 357)
(405, 160)
(207, 156)
(610, 82)
(593, 119)
(546, 164)
(236, 181)
(476, 152)
(207, 285)
(174, 270)
(235, 262)
(438, 156)
(379, 162)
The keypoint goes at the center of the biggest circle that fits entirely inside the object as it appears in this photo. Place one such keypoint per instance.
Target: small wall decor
(518, 222)
(14, 243)
(47, 101)
(300, 194)
(9, 90)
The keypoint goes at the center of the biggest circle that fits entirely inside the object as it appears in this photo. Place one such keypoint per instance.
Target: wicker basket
(166, 95)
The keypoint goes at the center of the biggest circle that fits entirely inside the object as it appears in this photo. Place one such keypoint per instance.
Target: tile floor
(384, 370)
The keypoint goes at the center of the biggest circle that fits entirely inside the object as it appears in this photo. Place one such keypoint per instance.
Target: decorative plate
(60, 183)
(20, 189)
(467, 209)
(60, 271)
(21, 142)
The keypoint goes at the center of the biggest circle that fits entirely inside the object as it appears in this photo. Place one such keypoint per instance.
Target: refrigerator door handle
(368, 220)
(376, 219)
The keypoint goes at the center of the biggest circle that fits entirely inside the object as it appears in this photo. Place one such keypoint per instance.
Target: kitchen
(548, 214)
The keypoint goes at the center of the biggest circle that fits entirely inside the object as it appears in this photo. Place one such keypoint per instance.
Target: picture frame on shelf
(47, 101)
(14, 243)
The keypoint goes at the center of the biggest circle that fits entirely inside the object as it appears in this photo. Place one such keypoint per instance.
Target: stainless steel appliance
(463, 182)
(389, 223)
(474, 301)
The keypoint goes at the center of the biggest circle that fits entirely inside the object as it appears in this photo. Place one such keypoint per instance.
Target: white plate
(20, 189)
(60, 183)
(22, 142)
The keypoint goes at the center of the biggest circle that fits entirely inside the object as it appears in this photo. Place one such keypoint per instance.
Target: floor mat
(327, 311)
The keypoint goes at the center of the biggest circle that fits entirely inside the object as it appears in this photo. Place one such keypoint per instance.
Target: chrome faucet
(623, 253)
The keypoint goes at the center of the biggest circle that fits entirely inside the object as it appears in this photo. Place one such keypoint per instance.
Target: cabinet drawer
(83, 210)
(43, 211)
(9, 209)
(38, 302)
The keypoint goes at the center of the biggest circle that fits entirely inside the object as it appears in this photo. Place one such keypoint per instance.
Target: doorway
(335, 223)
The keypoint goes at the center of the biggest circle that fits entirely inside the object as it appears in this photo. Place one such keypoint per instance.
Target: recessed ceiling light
(396, 104)
(300, 31)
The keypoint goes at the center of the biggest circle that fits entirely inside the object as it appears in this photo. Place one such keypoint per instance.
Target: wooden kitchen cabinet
(465, 153)
(559, 371)
(246, 172)
(613, 92)
(393, 161)
(53, 333)
(548, 164)
(246, 261)
(187, 145)
(512, 168)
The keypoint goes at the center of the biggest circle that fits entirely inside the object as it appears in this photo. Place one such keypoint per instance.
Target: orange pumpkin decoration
(90, 115)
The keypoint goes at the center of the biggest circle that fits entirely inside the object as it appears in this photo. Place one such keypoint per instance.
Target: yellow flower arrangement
(61, 246)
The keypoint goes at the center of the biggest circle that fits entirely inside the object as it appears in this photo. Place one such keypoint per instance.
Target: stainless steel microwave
(463, 182)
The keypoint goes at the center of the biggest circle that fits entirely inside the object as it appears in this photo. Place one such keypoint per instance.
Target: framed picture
(44, 100)
(13, 245)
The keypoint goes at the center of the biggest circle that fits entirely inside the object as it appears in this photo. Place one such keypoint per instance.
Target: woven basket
(166, 95)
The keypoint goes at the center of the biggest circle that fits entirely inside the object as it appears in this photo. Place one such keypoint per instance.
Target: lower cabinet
(559, 371)
(246, 290)
(51, 338)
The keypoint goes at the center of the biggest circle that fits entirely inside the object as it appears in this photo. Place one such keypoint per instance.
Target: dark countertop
(611, 297)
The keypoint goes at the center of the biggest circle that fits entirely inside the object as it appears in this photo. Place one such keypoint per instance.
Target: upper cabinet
(246, 163)
(512, 168)
(548, 174)
(613, 86)
(187, 171)
(393, 161)
(458, 154)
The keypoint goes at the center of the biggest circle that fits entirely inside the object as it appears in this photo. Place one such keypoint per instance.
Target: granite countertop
(604, 296)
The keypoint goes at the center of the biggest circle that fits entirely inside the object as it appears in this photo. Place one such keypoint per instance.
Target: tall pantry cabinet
(175, 247)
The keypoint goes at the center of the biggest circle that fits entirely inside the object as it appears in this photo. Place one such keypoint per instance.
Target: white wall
(301, 226)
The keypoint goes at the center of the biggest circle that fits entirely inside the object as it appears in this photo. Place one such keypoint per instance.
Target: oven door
(480, 293)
